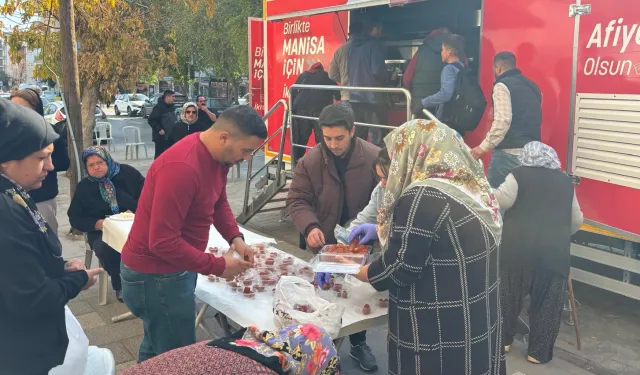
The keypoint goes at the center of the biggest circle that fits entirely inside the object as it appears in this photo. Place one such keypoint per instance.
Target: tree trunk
(90, 96)
(71, 88)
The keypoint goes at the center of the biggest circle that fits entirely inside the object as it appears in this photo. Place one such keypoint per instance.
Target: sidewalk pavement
(123, 338)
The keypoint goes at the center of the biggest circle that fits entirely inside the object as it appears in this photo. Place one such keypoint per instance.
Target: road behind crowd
(609, 323)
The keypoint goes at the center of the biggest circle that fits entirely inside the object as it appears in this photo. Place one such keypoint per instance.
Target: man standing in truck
(422, 76)
(338, 67)
(517, 117)
(366, 68)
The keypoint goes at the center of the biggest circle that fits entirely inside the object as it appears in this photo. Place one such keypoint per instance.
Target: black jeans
(110, 261)
(161, 146)
(372, 114)
(301, 131)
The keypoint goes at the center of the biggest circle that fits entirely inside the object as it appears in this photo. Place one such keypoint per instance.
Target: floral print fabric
(424, 152)
(300, 349)
(107, 189)
(21, 197)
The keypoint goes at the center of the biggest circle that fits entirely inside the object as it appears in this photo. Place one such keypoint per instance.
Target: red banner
(256, 65)
(279, 7)
(293, 46)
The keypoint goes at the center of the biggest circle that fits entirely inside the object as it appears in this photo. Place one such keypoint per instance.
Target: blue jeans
(502, 163)
(166, 304)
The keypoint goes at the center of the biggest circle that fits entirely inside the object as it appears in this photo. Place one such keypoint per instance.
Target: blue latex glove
(365, 232)
(322, 278)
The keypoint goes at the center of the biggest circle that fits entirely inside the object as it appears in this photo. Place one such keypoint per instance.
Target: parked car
(130, 103)
(54, 113)
(149, 105)
(45, 101)
(245, 99)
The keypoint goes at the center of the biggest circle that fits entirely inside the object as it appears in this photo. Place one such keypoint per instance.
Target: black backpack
(466, 107)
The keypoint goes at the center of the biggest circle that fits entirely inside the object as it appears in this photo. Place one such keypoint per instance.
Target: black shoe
(119, 296)
(363, 354)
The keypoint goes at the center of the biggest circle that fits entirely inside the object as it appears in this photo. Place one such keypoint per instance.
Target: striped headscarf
(107, 189)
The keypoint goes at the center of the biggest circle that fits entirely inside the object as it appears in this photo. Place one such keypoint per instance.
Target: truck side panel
(293, 46)
(606, 139)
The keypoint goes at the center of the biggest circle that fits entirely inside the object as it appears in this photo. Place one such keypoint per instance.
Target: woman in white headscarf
(186, 124)
(542, 213)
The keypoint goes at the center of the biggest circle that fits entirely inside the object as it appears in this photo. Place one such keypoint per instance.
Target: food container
(339, 259)
(383, 302)
(233, 284)
(258, 288)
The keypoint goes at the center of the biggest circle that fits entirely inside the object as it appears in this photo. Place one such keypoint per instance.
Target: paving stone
(123, 366)
(114, 332)
(120, 353)
(79, 307)
(90, 320)
(132, 345)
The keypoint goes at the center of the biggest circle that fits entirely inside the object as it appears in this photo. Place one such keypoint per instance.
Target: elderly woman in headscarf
(542, 213)
(37, 331)
(295, 350)
(440, 229)
(187, 123)
(45, 196)
(109, 189)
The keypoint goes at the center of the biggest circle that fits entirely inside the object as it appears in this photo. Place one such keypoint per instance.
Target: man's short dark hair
(167, 93)
(200, 96)
(337, 115)
(455, 43)
(369, 23)
(506, 59)
(245, 119)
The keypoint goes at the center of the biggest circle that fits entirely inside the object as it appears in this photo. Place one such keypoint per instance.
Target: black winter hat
(22, 132)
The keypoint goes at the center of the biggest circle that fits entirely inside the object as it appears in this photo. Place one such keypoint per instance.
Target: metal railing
(391, 90)
(281, 130)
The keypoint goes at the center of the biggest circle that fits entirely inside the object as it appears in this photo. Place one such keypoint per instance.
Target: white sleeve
(576, 215)
(507, 193)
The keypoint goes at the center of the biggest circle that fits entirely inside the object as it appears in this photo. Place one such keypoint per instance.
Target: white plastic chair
(103, 133)
(132, 139)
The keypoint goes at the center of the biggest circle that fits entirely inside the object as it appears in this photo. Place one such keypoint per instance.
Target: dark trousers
(110, 261)
(166, 305)
(161, 146)
(547, 292)
(358, 338)
(372, 114)
(302, 131)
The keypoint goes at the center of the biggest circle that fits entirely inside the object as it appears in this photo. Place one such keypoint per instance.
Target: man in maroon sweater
(184, 194)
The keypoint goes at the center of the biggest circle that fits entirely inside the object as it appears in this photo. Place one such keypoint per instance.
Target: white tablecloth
(253, 312)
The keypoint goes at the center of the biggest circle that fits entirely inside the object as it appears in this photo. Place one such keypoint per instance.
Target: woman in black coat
(108, 189)
(187, 124)
(45, 196)
(35, 281)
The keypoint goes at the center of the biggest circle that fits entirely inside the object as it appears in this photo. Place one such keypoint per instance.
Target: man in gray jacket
(338, 66)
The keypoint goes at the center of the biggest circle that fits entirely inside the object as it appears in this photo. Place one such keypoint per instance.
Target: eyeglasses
(191, 112)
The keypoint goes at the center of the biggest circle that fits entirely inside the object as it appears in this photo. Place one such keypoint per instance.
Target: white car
(244, 100)
(54, 113)
(130, 103)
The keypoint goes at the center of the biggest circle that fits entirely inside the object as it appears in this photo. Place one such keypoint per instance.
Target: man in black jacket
(310, 103)
(161, 118)
(206, 118)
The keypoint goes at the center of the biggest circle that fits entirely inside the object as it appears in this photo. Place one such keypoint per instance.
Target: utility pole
(71, 80)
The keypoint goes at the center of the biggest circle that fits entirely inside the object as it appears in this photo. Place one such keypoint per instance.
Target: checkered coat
(441, 270)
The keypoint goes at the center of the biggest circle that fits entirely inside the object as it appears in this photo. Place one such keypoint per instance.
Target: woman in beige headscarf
(440, 227)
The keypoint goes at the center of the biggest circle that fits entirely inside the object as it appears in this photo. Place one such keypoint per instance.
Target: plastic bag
(293, 295)
(341, 234)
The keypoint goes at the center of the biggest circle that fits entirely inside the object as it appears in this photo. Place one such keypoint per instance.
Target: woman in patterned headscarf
(440, 227)
(109, 188)
(542, 213)
(293, 350)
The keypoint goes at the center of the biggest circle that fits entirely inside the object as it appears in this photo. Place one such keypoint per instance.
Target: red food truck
(585, 57)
